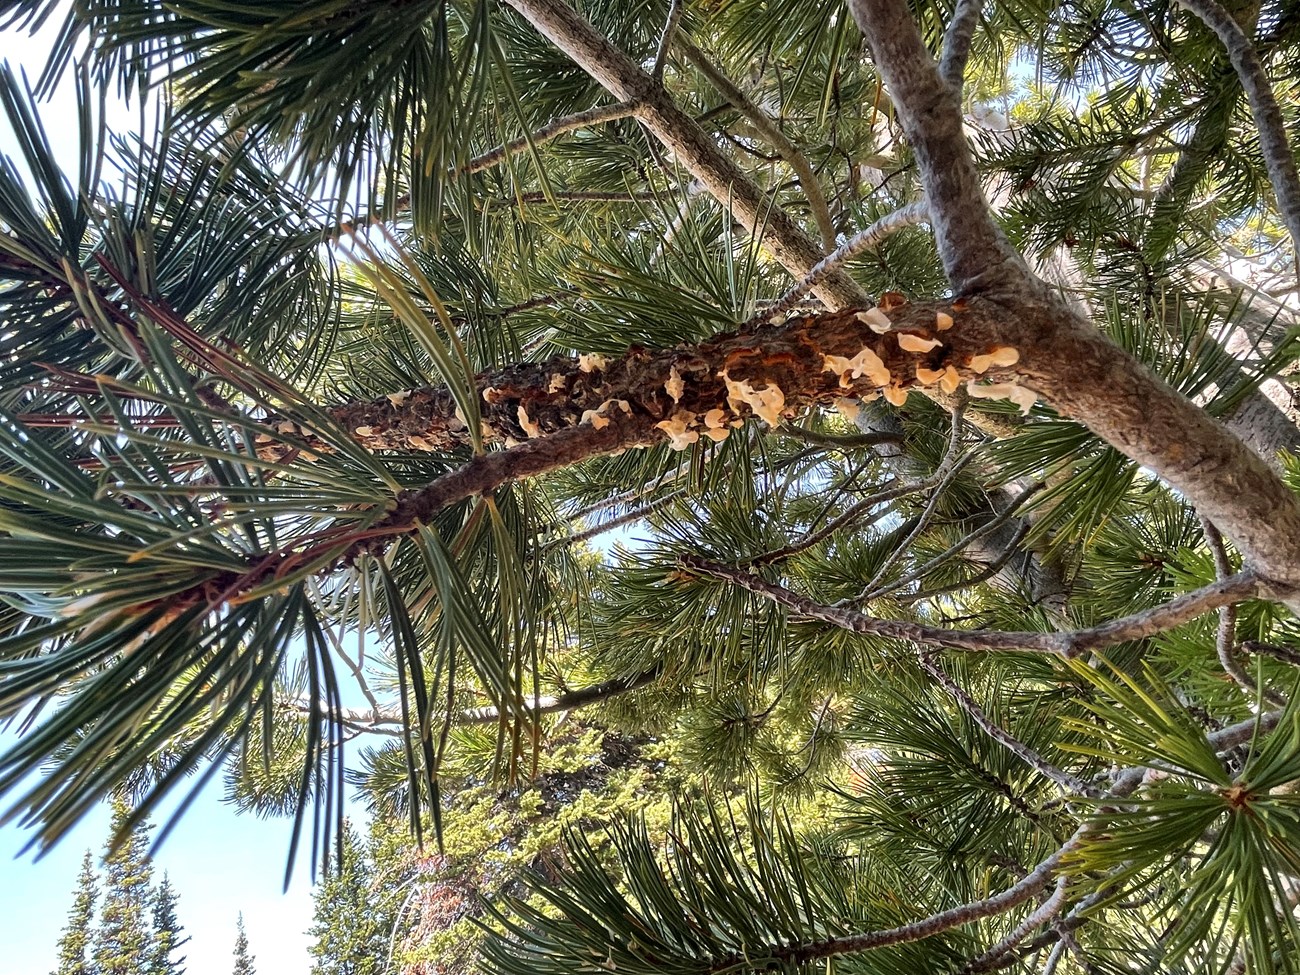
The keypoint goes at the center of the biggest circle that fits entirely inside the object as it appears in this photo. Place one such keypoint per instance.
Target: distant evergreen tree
(76, 935)
(124, 938)
(243, 960)
(166, 933)
(352, 925)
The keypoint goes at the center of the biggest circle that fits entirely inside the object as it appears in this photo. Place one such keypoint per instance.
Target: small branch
(957, 41)
(548, 133)
(582, 196)
(1068, 784)
(947, 471)
(1284, 654)
(1273, 143)
(767, 127)
(1048, 910)
(1243, 585)
(993, 524)
(859, 243)
(627, 518)
(1226, 637)
(666, 40)
(988, 572)
(694, 148)
(976, 254)
(851, 441)
(571, 699)
(848, 516)
(955, 917)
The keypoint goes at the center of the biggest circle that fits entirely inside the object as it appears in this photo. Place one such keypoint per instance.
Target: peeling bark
(772, 370)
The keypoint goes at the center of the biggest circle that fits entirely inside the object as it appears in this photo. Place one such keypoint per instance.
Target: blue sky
(220, 863)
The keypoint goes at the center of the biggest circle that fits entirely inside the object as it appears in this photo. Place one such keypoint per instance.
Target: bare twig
(767, 127)
(859, 243)
(548, 133)
(988, 572)
(1284, 654)
(626, 518)
(992, 525)
(666, 40)
(1045, 912)
(1273, 143)
(1242, 586)
(957, 41)
(1226, 638)
(1069, 784)
(947, 471)
(849, 516)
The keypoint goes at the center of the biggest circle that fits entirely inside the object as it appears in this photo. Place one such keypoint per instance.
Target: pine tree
(352, 920)
(932, 360)
(123, 940)
(75, 941)
(166, 931)
(243, 960)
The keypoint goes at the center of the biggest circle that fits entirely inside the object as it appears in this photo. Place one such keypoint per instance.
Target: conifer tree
(243, 960)
(124, 937)
(353, 918)
(166, 933)
(74, 944)
(934, 358)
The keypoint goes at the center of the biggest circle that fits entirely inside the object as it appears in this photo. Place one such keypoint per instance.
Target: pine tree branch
(1226, 638)
(957, 42)
(1273, 142)
(548, 133)
(975, 252)
(1062, 356)
(697, 152)
(859, 243)
(1069, 784)
(990, 526)
(666, 40)
(381, 719)
(1000, 903)
(767, 127)
(1069, 644)
(1046, 912)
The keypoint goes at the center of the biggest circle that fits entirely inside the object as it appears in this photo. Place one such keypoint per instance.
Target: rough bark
(1062, 356)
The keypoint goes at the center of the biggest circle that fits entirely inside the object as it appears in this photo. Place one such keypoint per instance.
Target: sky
(220, 863)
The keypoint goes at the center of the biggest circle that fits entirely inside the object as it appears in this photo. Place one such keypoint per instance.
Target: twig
(666, 40)
(849, 440)
(957, 41)
(994, 523)
(859, 243)
(848, 516)
(955, 917)
(946, 473)
(1045, 912)
(635, 514)
(1273, 143)
(1070, 644)
(1069, 784)
(1284, 654)
(1226, 638)
(766, 127)
(548, 133)
(988, 572)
